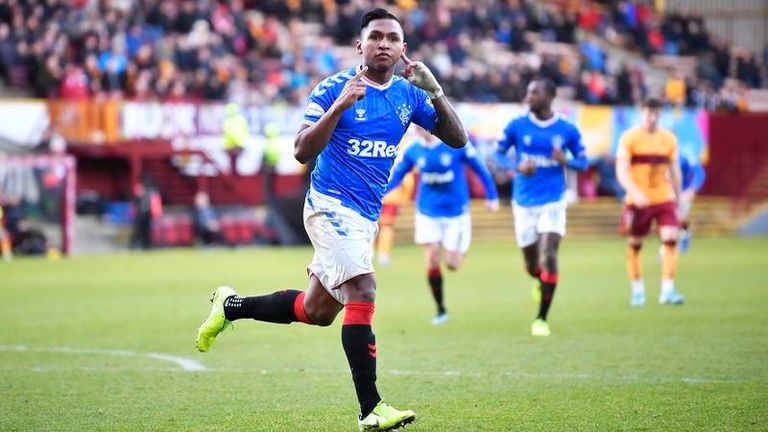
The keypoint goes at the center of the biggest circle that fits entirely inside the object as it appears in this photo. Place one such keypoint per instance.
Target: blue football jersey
(534, 140)
(355, 164)
(442, 190)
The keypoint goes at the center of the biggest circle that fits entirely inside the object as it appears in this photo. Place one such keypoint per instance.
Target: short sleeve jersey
(443, 190)
(534, 140)
(354, 166)
(650, 156)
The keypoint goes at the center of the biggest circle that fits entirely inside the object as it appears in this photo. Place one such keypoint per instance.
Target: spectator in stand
(205, 220)
(74, 85)
(5, 240)
(267, 52)
(23, 239)
(675, 89)
(14, 216)
(147, 207)
(236, 134)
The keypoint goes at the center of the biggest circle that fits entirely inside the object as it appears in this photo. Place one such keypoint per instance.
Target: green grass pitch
(75, 334)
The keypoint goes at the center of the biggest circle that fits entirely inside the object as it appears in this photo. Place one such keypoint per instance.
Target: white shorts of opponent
(343, 242)
(454, 233)
(535, 220)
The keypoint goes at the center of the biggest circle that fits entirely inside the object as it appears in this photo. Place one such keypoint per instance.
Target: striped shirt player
(647, 167)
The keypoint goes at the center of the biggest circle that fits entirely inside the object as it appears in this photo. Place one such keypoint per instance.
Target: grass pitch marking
(185, 363)
(190, 365)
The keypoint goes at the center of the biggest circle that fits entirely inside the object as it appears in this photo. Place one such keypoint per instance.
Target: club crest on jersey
(557, 141)
(445, 159)
(360, 112)
(527, 140)
(404, 114)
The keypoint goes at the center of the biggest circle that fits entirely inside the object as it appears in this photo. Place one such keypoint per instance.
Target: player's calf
(281, 307)
(634, 270)
(669, 294)
(531, 260)
(548, 286)
(533, 269)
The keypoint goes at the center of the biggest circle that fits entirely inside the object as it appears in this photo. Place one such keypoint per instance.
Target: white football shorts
(343, 242)
(454, 232)
(535, 220)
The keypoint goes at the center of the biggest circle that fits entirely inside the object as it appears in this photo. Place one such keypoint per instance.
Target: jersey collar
(543, 123)
(374, 84)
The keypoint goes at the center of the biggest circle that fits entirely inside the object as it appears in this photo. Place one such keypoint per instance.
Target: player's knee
(320, 316)
(533, 269)
(323, 320)
(363, 294)
(433, 257)
(360, 289)
(453, 261)
(670, 242)
(549, 261)
(366, 296)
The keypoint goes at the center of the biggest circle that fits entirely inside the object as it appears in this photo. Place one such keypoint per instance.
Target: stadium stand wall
(738, 157)
(744, 22)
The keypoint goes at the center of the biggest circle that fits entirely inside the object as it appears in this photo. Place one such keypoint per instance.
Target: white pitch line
(194, 366)
(185, 363)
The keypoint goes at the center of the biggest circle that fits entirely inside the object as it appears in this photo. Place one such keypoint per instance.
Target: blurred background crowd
(266, 51)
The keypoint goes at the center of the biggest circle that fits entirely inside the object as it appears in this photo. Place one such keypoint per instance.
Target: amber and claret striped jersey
(650, 156)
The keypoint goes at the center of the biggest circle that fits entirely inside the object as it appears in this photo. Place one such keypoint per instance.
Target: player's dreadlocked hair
(376, 14)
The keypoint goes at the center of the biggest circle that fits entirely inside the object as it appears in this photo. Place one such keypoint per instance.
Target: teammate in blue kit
(541, 139)
(693, 176)
(442, 204)
(352, 126)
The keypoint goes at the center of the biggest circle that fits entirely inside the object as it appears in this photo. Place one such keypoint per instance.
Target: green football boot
(540, 328)
(385, 418)
(216, 322)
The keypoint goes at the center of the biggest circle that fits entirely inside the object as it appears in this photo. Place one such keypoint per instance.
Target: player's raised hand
(353, 91)
(526, 167)
(559, 155)
(419, 75)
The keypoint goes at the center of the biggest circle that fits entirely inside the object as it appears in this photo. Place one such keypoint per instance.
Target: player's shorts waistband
(558, 203)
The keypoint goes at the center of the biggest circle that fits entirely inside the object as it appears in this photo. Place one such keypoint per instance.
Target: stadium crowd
(270, 51)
